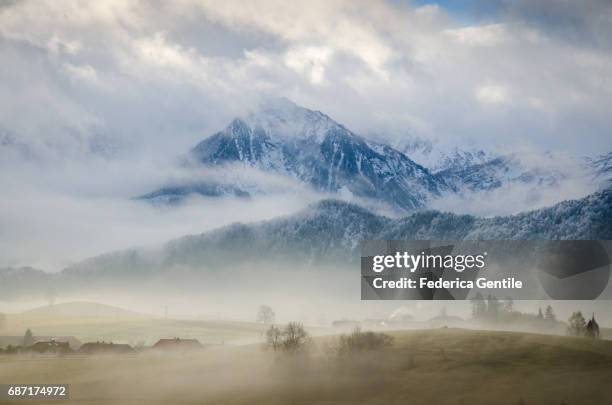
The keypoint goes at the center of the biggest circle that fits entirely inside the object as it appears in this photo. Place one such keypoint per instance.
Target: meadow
(436, 366)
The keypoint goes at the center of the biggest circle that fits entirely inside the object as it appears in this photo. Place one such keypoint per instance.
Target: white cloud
(309, 61)
(487, 35)
(150, 79)
(492, 94)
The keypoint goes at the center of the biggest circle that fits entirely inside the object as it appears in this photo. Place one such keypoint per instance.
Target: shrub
(292, 339)
(358, 342)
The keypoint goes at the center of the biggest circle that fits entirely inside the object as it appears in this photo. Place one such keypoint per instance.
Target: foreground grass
(443, 366)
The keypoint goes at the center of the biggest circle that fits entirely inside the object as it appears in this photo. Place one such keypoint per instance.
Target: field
(441, 366)
(92, 322)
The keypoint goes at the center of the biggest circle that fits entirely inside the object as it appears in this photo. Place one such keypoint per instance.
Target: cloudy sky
(99, 97)
(159, 73)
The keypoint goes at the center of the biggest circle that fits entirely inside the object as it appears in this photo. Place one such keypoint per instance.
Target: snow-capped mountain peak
(311, 147)
(280, 118)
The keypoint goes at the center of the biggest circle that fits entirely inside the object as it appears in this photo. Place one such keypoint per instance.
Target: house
(73, 342)
(178, 344)
(592, 328)
(50, 347)
(106, 348)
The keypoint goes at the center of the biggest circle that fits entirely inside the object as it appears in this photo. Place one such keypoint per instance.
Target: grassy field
(92, 322)
(442, 366)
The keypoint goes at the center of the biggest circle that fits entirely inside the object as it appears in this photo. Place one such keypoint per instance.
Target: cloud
(486, 35)
(309, 61)
(492, 94)
(100, 98)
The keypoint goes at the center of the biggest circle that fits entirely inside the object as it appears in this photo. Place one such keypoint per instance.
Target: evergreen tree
(540, 315)
(549, 314)
(576, 324)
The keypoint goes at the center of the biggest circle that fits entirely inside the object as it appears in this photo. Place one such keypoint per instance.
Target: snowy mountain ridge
(308, 146)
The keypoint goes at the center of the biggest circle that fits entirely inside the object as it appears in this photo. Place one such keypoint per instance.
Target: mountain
(437, 157)
(497, 172)
(601, 167)
(23, 281)
(307, 145)
(333, 229)
(327, 233)
(177, 193)
(469, 169)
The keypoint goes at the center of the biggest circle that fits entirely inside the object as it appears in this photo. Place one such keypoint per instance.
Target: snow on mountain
(499, 171)
(309, 146)
(333, 229)
(404, 174)
(326, 233)
(601, 168)
(437, 157)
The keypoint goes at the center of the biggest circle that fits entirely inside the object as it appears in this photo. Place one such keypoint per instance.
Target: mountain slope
(601, 167)
(496, 172)
(327, 233)
(333, 230)
(309, 146)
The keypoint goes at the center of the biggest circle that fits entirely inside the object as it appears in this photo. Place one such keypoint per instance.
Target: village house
(50, 347)
(106, 348)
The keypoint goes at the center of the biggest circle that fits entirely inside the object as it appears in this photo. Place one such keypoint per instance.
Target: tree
(540, 315)
(274, 337)
(295, 338)
(28, 338)
(292, 339)
(549, 314)
(265, 315)
(576, 324)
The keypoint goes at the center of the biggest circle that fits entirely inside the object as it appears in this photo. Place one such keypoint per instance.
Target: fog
(55, 216)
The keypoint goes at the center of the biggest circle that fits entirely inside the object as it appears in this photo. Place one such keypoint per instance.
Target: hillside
(80, 309)
(333, 230)
(327, 232)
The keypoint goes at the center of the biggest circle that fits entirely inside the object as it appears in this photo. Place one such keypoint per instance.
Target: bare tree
(274, 337)
(295, 338)
(292, 339)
